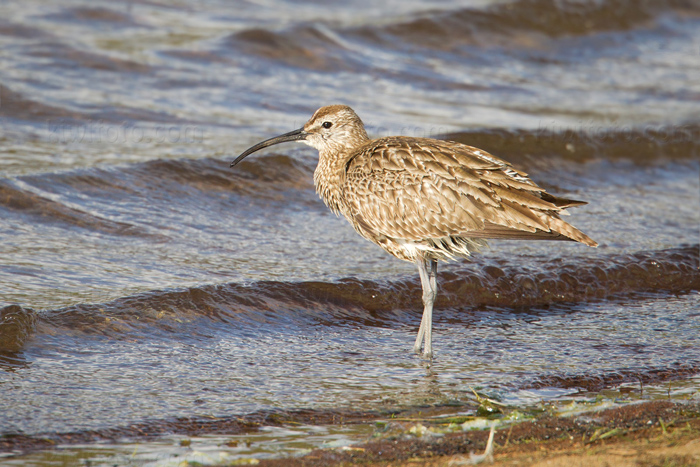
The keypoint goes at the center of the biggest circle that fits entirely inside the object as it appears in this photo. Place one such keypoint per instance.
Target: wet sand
(652, 433)
(648, 433)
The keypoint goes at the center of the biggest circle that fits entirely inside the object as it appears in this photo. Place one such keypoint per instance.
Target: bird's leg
(428, 280)
(425, 281)
(428, 346)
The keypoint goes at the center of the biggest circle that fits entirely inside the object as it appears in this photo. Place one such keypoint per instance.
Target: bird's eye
(327, 124)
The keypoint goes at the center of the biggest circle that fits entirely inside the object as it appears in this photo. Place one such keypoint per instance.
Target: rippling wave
(525, 23)
(674, 271)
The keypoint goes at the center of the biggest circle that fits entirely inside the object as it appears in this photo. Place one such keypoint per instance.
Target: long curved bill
(296, 135)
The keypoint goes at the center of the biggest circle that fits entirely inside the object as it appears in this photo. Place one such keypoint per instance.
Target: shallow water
(142, 279)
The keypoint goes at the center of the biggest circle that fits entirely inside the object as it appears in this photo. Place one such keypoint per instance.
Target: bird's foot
(424, 354)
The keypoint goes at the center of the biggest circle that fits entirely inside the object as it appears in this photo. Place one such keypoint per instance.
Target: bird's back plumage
(441, 199)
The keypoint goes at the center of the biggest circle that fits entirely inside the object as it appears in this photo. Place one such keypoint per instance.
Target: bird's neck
(329, 178)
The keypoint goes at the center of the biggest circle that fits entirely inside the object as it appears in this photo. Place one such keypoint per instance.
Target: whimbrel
(424, 200)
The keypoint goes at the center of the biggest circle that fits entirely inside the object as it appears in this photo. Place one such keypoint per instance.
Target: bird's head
(331, 129)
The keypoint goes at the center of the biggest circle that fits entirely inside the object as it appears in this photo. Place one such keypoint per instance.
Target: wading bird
(424, 200)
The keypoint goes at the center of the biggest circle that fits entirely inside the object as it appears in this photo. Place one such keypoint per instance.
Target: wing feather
(416, 189)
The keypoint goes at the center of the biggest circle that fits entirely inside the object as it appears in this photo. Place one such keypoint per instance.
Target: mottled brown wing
(417, 189)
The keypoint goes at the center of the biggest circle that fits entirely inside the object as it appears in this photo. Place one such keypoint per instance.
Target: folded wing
(418, 190)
